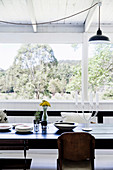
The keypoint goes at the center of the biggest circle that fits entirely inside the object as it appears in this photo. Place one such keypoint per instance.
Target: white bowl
(65, 126)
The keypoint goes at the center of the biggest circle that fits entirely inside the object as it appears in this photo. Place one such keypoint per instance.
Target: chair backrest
(76, 146)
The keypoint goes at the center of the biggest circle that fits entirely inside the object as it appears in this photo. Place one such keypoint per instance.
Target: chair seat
(78, 165)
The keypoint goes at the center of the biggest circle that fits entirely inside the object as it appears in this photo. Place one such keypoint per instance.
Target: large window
(100, 70)
(37, 71)
(54, 71)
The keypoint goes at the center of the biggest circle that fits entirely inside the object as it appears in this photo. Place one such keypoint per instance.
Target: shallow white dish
(28, 130)
(18, 124)
(4, 127)
(65, 126)
(23, 128)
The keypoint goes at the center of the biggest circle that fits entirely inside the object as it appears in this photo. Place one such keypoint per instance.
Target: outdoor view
(37, 71)
(100, 70)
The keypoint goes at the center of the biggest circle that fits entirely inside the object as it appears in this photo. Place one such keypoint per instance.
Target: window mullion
(85, 67)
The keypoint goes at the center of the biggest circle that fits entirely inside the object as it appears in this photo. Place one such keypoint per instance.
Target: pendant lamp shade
(99, 38)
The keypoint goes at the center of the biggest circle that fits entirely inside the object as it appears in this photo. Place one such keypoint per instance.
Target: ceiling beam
(47, 38)
(31, 14)
(52, 28)
(90, 15)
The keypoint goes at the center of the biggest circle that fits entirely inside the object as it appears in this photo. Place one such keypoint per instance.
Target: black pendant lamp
(99, 38)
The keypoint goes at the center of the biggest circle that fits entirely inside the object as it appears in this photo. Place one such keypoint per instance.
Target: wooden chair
(14, 163)
(75, 151)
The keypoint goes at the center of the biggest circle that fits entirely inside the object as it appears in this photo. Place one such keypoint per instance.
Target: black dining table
(47, 139)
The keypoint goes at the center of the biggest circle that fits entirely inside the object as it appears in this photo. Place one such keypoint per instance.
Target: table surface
(103, 134)
(99, 131)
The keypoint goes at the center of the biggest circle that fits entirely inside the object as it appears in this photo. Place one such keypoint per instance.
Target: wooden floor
(45, 160)
(104, 160)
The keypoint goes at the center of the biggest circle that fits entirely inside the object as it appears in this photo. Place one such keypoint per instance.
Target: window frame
(55, 38)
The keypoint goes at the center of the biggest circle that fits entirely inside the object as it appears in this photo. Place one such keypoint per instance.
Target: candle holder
(91, 114)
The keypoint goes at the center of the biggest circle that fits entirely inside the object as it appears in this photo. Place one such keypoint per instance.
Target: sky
(9, 51)
(7, 54)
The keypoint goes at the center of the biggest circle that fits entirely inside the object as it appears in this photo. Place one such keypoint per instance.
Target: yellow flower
(45, 103)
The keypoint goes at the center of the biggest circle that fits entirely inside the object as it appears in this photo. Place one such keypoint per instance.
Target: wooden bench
(14, 163)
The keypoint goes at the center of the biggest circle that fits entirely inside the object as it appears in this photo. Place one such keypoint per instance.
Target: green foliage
(57, 86)
(31, 68)
(36, 73)
(37, 115)
(100, 68)
(75, 80)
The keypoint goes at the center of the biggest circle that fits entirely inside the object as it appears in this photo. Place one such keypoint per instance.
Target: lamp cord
(99, 18)
(49, 22)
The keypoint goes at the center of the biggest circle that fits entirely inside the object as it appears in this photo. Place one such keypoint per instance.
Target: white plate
(23, 128)
(18, 124)
(4, 127)
(65, 125)
(28, 130)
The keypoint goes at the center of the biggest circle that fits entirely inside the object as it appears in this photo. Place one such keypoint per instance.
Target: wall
(33, 105)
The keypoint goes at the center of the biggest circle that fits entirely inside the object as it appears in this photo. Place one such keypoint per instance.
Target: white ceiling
(36, 11)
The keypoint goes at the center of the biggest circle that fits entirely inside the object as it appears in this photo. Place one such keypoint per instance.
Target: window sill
(33, 105)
